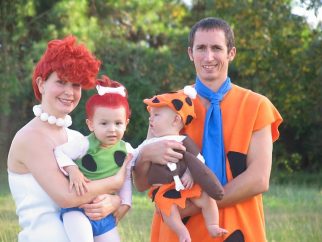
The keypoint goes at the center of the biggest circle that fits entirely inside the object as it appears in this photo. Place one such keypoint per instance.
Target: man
(235, 129)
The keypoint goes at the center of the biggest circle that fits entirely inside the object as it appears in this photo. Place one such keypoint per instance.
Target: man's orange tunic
(243, 112)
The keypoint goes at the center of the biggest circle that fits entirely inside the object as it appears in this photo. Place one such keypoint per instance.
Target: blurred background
(143, 43)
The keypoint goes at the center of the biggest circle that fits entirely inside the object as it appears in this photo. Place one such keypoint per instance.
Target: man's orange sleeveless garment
(243, 112)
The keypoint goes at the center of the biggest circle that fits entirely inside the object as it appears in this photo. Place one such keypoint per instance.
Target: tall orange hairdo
(109, 100)
(72, 62)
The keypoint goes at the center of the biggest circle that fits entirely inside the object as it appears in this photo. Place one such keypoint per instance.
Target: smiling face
(58, 97)
(108, 124)
(210, 55)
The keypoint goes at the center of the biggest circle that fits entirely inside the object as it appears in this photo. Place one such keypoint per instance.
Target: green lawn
(293, 214)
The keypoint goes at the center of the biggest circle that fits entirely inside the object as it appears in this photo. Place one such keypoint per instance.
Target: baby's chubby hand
(77, 180)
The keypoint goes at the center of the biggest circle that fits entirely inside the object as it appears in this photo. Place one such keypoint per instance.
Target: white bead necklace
(60, 122)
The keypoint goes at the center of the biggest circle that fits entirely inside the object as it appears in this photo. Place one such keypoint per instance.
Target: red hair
(109, 100)
(72, 62)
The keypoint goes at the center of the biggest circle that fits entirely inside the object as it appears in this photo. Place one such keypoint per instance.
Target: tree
(277, 56)
(143, 44)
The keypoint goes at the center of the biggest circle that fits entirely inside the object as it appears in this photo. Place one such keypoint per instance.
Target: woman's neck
(51, 119)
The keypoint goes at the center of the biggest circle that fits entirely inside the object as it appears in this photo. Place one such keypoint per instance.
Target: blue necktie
(213, 149)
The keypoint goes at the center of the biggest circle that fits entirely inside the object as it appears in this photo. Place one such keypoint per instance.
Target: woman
(36, 183)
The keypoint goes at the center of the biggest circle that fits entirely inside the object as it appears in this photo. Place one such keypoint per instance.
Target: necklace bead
(51, 119)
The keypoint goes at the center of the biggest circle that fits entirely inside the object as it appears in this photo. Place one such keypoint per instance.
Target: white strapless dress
(38, 213)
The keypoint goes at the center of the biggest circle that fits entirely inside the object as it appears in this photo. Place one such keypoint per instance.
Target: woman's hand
(102, 206)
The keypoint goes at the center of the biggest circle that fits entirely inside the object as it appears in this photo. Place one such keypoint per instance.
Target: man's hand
(163, 151)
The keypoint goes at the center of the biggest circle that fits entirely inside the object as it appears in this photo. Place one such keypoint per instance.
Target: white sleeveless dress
(38, 213)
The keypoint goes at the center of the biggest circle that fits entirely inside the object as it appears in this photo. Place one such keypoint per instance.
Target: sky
(297, 10)
(309, 15)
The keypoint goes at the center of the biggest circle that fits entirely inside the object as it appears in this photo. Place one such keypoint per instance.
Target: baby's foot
(215, 231)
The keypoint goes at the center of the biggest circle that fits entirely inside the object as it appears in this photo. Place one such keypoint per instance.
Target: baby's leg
(110, 236)
(210, 213)
(175, 223)
(77, 227)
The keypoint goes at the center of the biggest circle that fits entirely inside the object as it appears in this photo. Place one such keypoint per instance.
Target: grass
(135, 227)
(8, 219)
(293, 214)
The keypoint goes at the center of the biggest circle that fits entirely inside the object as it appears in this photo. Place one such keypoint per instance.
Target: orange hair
(72, 62)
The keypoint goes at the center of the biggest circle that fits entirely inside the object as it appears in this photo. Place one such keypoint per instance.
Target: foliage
(143, 45)
(279, 55)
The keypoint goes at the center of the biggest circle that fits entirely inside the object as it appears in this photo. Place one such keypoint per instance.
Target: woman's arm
(38, 157)
(105, 204)
(160, 152)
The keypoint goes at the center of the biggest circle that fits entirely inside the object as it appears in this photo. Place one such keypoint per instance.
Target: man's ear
(90, 125)
(190, 53)
(232, 54)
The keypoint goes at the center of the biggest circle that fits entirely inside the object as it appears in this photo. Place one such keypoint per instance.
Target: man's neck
(213, 85)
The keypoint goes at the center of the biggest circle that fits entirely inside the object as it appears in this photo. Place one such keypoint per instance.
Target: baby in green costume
(99, 155)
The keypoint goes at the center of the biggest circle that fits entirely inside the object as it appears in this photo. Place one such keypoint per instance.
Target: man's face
(210, 55)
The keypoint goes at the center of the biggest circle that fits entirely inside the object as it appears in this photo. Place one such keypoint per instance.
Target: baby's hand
(77, 180)
(120, 176)
(187, 179)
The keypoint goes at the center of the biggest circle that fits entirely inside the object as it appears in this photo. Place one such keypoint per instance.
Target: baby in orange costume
(169, 113)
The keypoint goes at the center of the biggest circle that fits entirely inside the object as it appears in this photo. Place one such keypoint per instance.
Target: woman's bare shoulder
(23, 143)
(30, 140)
(28, 135)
